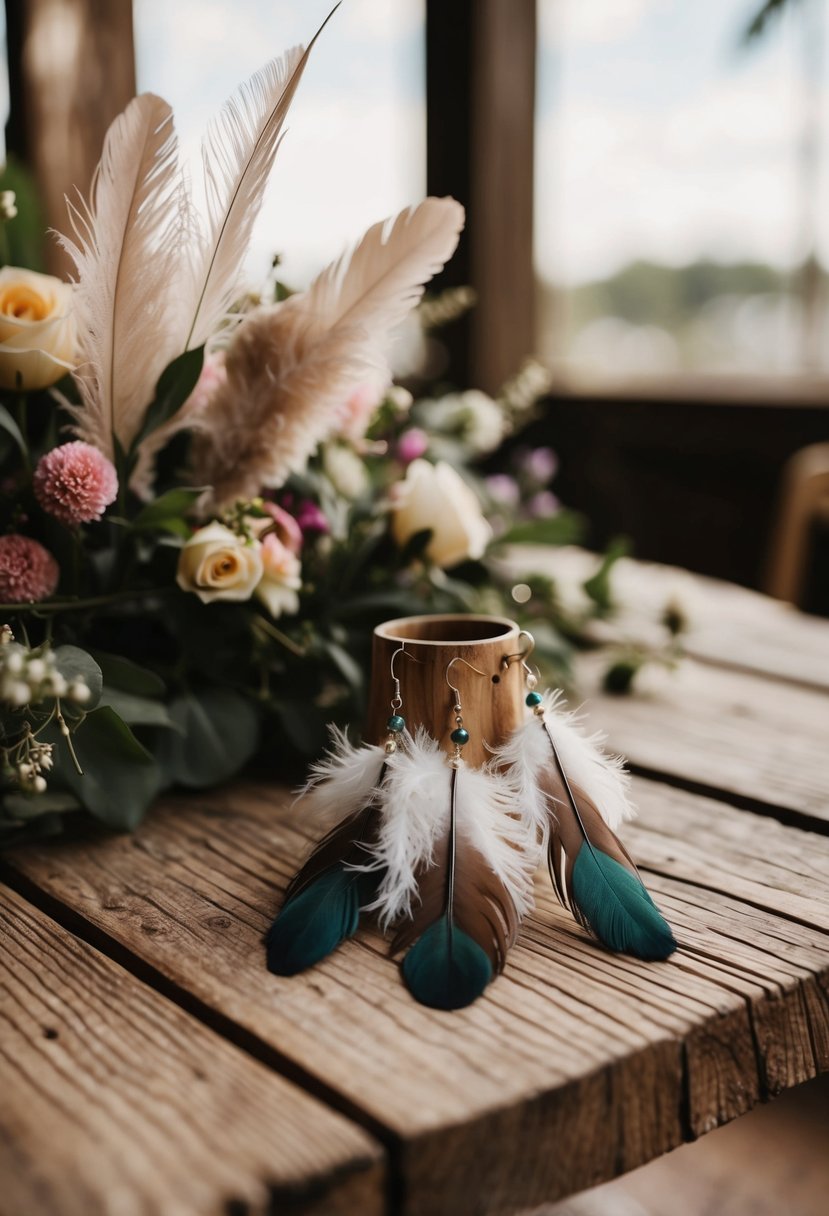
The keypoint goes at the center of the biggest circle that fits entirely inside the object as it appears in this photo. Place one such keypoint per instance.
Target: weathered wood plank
(760, 743)
(727, 625)
(115, 1102)
(576, 1066)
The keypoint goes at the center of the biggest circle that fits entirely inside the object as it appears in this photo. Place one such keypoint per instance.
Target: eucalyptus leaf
(138, 711)
(75, 664)
(349, 669)
(217, 733)
(122, 673)
(24, 807)
(120, 778)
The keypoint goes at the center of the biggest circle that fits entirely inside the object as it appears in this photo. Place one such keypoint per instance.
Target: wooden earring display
(493, 704)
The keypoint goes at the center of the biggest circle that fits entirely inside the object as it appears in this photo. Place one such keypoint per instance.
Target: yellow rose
(37, 329)
(217, 564)
(434, 496)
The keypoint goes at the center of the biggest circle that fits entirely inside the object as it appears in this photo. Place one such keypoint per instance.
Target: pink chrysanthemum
(27, 571)
(75, 483)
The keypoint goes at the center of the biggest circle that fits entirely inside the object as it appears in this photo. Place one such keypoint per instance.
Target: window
(681, 224)
(355, 145)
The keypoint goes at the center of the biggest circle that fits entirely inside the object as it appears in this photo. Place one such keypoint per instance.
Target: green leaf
(564, 528)
(167, 511)
(218, 732)
(120, 778)
(75, 664)
(349, 669)
(598, 586)
(23, 807)
(122, 673)
(8, 424)
(175, 385)
(137, 711)
(415, 547)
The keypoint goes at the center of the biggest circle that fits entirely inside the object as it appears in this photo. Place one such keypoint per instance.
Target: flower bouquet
(210, 497)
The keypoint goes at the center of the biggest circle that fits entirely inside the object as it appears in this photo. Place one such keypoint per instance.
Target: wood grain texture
(115, 1102)
(727, 625)
(760, 743)
(576, 1066)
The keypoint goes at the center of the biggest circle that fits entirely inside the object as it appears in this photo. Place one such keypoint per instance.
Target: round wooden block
(493, 703)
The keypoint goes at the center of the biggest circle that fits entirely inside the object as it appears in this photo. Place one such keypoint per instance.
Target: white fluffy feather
(415, 809)
(342, 782)
(127, 250)
(601, 776)
(415, 815)
(487, 817)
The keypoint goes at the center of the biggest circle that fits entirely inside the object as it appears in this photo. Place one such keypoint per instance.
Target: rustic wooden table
(150, 1066)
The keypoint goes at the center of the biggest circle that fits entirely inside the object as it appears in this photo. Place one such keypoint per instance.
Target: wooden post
(71, 71)
(492, 703)
(480, 130)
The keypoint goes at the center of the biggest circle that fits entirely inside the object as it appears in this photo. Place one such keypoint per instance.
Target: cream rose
(37, 329)
(280, 583)
(217, 564)
(434, 496)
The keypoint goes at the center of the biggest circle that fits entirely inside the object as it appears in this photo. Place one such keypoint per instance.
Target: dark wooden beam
(481, 100)
(71, 71)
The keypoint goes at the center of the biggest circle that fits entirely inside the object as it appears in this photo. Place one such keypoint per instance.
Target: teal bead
(460, 736)
(533, 699)
(396, 723)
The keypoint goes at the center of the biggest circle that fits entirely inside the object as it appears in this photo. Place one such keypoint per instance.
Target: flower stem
(79, 605)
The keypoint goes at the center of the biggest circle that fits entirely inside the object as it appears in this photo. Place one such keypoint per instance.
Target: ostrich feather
(127, 247)
(291, 366)
(238, 152)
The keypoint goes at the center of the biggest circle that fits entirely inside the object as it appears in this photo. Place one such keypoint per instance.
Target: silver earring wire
(522, 655)
(396, 723)
(460, 735)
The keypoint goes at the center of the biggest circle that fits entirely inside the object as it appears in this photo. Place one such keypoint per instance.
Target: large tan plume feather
(290, 366)
(127, 247)
(238, 152)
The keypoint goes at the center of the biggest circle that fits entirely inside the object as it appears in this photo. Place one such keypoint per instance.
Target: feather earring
(572, 796)
(323, 901)
(456, 870)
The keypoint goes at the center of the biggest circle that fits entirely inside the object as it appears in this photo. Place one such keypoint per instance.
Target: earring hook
(522, 655)
(397, 700)
(458, 659)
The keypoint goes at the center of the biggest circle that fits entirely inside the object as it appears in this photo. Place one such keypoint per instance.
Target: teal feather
(313, 923)
(323, 901)
(616, 906)
(446, 969)
(604, 892)
(462, 929)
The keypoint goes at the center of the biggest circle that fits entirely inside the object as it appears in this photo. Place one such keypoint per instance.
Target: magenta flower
(28, 572)
(75, 483)
(412, 444)
(311, 518)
